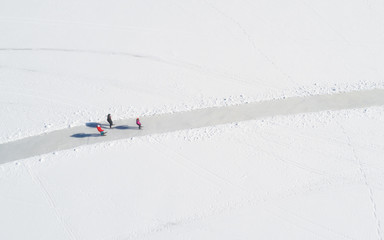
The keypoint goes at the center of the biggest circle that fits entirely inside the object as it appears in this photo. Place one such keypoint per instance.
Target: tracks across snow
(83, 135)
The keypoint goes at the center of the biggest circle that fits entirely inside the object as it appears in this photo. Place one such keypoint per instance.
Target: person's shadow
(94, 124)
(123, 127)
(85, 135)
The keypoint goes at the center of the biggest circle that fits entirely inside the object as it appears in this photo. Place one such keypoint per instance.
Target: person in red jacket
(101, 131)
(138, 123)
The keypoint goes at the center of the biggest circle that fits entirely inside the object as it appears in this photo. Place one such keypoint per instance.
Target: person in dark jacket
(109, 119)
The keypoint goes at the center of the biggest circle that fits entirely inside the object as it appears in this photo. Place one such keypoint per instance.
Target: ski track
(226, 76)
(317, 230)
(35, 178)
(288, 162)
(296, 164)
(366, 183)
(250, 199)
(251, 41)
(200, 168)
(87, 25)
(337, 32)
(167, 152)
(307, 225)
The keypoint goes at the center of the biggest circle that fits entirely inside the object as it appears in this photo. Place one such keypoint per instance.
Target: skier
(138, 123)
(109, 119)
(101, 131)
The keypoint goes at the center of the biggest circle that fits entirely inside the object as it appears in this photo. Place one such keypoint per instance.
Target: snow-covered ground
(305, 176)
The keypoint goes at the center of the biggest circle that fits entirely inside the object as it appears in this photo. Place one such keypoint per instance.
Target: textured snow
(305, 176)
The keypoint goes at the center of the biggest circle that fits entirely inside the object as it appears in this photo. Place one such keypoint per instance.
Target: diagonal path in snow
(83, 135)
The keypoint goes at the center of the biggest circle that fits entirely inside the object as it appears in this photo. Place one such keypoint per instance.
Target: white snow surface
(305, 176)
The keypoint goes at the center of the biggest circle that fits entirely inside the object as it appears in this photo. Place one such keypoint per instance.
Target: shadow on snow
(94, 124)
(123, 127)
(84, 135)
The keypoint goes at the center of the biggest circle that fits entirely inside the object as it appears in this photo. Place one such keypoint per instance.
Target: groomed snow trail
(82, 135)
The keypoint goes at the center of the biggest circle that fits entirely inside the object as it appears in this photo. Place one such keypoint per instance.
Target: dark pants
(110, 124)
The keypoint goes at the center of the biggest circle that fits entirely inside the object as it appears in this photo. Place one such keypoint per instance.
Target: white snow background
(306, 176)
